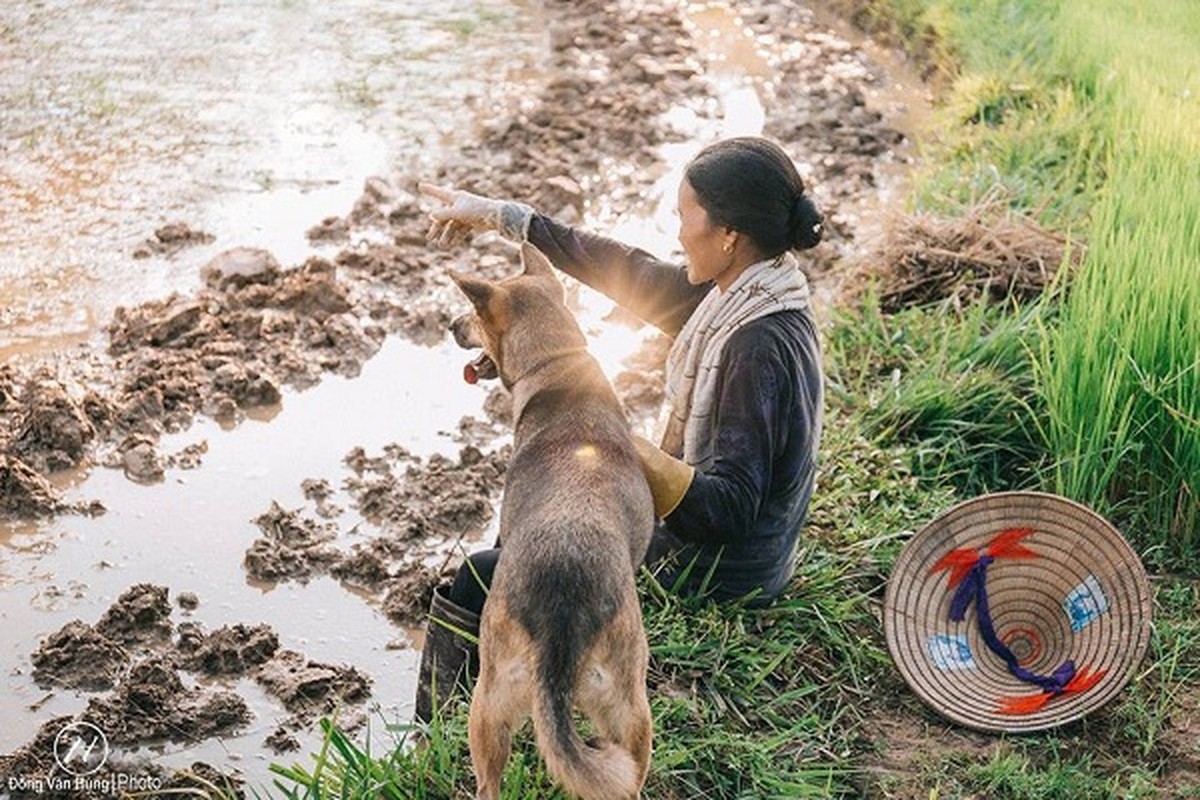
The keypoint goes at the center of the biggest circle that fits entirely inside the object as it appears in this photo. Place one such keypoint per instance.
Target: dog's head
(520, 322)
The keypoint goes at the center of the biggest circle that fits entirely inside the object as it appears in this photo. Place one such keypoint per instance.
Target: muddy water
(271, 122)
(190, 534)
(250, 121)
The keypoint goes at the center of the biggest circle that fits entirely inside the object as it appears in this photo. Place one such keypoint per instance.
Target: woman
(734, 472)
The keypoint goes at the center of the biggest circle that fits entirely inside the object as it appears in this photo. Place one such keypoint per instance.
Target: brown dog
(562, 626)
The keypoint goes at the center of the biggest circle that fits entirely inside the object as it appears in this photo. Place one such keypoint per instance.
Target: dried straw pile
(989, 252)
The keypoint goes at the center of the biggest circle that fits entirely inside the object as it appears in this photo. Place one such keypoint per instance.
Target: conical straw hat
(1065, 587)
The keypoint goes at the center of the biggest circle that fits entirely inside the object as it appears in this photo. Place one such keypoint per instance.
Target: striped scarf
(694, 362)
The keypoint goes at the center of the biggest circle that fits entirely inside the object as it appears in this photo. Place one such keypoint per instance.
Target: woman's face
(702, 241)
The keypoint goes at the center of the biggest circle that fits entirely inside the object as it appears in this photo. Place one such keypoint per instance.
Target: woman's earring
(728, 248)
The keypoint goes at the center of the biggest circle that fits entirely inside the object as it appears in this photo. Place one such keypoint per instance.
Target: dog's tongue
(476, 369)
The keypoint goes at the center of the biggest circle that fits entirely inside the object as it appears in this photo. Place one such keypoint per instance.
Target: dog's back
(562, 625)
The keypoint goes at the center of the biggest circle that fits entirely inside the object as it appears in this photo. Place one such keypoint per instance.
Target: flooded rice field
(247, 121)
(242, 473)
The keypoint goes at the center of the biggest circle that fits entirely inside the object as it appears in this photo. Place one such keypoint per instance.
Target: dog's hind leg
(626, 720)
(613, 696)
(640, 733)
(499, 705)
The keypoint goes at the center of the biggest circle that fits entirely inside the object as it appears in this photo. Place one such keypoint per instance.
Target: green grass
(956, 388)
(1082, 115)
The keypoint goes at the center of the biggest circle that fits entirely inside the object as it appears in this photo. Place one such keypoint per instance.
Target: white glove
(460, 214)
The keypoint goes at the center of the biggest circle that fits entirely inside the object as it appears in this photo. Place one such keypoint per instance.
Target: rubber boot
(449, 658)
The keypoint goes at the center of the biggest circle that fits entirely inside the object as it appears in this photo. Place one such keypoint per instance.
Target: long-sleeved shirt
(740, 519)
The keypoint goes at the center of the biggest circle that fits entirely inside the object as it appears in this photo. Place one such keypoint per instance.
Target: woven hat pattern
(1046, 594)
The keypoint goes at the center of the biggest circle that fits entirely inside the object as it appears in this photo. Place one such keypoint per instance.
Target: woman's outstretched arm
(654, 290)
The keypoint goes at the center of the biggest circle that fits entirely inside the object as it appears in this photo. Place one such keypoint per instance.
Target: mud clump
(170, 239)
(498, 406)
(92, 658)
(253, 328)
(380, 202)
(24, 492)
(140, 460)
(314, 292)
(174, 322)
(36, 759)
(641, 385)
(79, 657)
(418, 507)
(440, 497)
(230, 650)
(409, 594)
(319, 492)
(330, 229)
(281, 740)
(309, 688)
(8, 386)
(140, 614)
(291, 546)
(149, 701)
(641, 393)
(239, 267)
(54, 432)
(152, 704)
(367, 564)
(190, 457)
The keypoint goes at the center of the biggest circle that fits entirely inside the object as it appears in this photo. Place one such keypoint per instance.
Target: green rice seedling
(1121, 372)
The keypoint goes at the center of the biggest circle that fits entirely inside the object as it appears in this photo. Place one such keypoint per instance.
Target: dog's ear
(534, 261)
(484, 295)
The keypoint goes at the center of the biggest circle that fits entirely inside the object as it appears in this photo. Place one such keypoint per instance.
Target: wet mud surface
(149, 680)
(621, 87)
(418, 508)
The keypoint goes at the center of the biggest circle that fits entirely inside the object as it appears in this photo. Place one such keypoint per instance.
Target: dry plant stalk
(989, 252)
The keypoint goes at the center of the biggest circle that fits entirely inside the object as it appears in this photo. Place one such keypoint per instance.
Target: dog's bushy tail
(602, 771)
(565, 609)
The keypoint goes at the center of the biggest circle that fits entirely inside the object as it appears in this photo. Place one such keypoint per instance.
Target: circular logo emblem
(80, 748)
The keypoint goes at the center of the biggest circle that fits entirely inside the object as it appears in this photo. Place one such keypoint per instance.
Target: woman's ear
(731, 237)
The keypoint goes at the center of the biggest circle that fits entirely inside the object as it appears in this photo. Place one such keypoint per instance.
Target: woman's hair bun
(807, 223)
